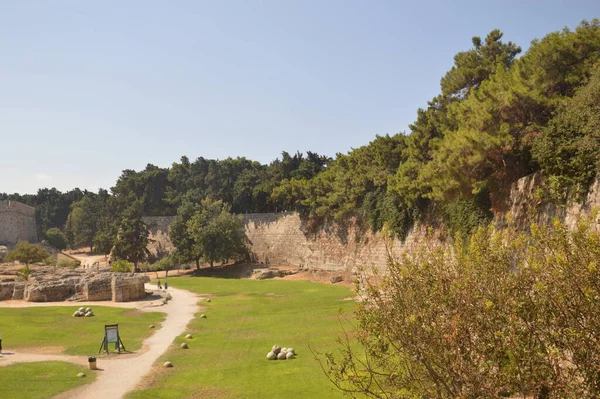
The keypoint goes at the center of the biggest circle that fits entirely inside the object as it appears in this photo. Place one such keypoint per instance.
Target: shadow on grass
(235, 271)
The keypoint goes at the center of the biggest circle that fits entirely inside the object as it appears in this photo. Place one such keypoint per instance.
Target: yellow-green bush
(503, 313)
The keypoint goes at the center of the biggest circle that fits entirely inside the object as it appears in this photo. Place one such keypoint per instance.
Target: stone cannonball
(271, 356)
(276, 349)
(281, 356)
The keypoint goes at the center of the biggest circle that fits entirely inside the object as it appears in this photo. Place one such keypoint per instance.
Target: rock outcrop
(47, 284)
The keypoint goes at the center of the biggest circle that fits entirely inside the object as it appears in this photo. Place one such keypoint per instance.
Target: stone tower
(17, 223)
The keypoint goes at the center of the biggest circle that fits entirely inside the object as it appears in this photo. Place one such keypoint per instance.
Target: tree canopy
(497, 118)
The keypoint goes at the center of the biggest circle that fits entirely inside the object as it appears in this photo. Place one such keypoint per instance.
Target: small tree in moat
(219, 235)
(103, 243)
(27, 253)
(131, 243)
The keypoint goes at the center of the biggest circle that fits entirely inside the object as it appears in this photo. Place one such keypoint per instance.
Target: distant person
(166, 285)
(158, 284)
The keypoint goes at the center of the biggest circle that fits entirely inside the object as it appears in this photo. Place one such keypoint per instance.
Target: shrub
(56, 239)
(27, 253)
(122, 266)
(68, 263)
(500, 314)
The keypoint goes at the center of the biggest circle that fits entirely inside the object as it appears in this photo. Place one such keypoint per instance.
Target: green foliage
(56, 238)
(121, 266)
(25, 272)
(463, 215)
(131, 243)
(103, 242)
(496, 119)
(217, 234)
(68, 263)
(500, 314)
(164, 264)
(27, 253)
(569, 147)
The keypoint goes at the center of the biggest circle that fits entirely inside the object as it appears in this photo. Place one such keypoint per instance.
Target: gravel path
(117, 374)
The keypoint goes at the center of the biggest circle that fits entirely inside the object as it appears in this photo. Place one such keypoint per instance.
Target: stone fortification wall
(529, 201)
(17, 223)
(159, 230)
(284, 239)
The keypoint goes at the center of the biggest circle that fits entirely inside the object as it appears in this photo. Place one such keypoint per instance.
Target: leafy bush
(27, 253)
(121, 266)
(56, 239)
(502, 314)
(68, 263)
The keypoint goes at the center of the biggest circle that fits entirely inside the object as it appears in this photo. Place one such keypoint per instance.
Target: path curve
(117, 376)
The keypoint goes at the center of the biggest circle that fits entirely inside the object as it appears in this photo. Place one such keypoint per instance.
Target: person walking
(158, 285)
(166, 285)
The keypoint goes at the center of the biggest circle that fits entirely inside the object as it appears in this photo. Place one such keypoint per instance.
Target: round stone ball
(81, 375)
(289, 355)
(284, 350)
(89, 314)
(291, 350)
(168, 364)
(271, 356)
(189, 336)
(82, 309)
(203, 316)
(151, 326)
(76, 314)
(207, 299)
(88, 310)
(184, 346)
(281, 356)
(276, 349)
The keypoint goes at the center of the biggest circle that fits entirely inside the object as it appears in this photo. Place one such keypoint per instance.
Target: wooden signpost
(111, 335)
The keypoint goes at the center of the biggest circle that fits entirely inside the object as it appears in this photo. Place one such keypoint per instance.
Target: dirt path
(117, 376)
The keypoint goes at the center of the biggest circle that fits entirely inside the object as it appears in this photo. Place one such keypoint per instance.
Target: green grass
(40, 379)
(227, 356)
(56, 327)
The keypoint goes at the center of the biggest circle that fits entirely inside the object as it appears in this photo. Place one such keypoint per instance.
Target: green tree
(569, 147)
(82, 223)
(131, 243)
(219, 235)
(188, 249)
(56, 238)
(27, 253)
(103, 242)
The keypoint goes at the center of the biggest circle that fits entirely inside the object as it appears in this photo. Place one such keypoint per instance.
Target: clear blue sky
(89, 88)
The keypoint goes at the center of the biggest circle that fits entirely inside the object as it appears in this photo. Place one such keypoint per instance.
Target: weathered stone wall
(45, 284)
(529, 202)
(17, 222)
(159, 230)
(283, 239)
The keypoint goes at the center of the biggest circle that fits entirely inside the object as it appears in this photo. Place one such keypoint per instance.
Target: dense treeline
(497, 118)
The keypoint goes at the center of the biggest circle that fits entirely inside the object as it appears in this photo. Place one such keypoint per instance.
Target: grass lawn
(40, 379)
(56, 327)
(227, 356)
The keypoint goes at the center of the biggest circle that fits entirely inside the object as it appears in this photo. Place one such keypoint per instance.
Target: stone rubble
(278, 353)
(49, 284)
